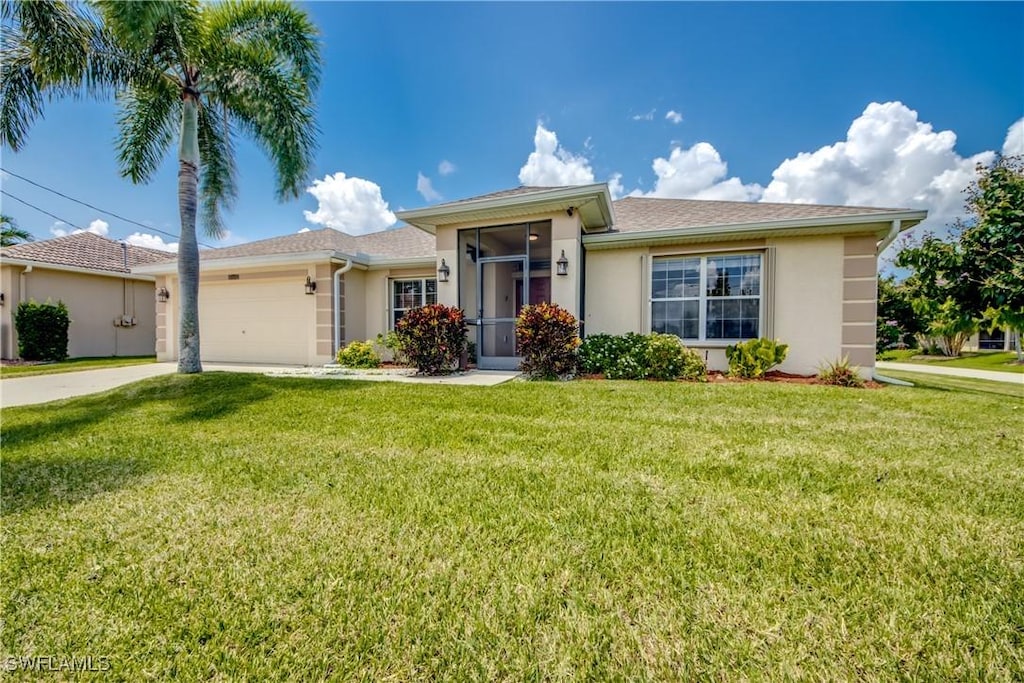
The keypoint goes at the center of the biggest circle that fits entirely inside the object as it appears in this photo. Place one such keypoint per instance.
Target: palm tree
(181, 71)
(10, 233)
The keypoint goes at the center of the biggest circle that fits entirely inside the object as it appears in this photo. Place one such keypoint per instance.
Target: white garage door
(255, 322)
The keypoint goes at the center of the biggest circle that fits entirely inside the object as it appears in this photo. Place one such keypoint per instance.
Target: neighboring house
(112, 310)
(711, 272)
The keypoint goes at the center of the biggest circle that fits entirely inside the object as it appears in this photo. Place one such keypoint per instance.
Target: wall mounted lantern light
(310, 286)
(162, 295)
(443, 272)
(563, 264)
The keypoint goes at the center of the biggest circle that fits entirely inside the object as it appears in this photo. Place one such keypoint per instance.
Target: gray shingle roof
(641, 214)
(398, 243)
(85, 250)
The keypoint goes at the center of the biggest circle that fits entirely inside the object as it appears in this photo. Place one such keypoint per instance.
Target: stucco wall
(93, 302)
(813, 282)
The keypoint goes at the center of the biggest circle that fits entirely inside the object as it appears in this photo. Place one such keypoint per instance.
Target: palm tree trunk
(188, 248)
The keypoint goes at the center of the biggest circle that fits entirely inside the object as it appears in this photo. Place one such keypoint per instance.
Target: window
(707, 298)
(408, 294)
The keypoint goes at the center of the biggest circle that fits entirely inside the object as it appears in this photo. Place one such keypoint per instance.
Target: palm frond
(21, 97)
(148, 124)
(166, 31)
(218, 188)
(271, 104)
(274, 25)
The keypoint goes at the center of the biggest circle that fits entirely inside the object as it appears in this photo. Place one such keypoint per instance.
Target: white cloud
(354, 205)
(426, 188)
(1014, 144)
(97, 227)
(615, 186)
(674, 116)
(697, 173)
(145, 239)
(889, 158)
(303, 230)
(446, 167)
(648, 116)
(550, 164)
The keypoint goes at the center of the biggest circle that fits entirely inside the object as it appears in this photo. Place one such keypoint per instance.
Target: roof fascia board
(377, 264)
(46, 265)
(760, 228)
(420, 218)
(171, 267)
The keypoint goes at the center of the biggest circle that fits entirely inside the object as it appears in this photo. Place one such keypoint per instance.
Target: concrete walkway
(24, 391)
(990, 375)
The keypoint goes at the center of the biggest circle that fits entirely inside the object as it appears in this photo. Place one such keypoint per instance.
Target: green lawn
(232, 527)
(958, 384)
(73, 365)
(1001, 361)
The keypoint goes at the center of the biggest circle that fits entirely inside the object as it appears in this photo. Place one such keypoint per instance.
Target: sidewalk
(990, 375)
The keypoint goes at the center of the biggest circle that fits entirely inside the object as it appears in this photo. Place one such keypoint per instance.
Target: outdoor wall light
(569, 211)
(443, 272)
(162, 295)
(310, 286)
(563, 264)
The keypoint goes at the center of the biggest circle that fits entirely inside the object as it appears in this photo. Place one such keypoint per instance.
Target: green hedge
(42, 330)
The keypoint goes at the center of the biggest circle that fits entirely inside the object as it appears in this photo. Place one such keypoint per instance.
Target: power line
(33, 206)
(84, 203)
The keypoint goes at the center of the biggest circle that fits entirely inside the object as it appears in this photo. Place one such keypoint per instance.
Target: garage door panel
(255, 322)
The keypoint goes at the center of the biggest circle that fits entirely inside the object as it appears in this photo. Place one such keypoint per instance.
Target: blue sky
(879, 104)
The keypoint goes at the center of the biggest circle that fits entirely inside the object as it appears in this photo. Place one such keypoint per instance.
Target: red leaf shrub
(433, 338)
(548, 338)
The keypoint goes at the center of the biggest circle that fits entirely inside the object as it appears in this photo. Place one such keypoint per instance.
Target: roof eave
(171, 267)
(600, 215)
(46, 265)
(789, 227)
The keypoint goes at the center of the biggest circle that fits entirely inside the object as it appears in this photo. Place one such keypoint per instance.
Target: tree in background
(10, 233)
(898, 326)
(993, 245)
(182, 72)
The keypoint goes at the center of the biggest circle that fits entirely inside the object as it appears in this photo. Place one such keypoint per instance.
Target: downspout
(894, 231)
(336, 295)
(22, 296)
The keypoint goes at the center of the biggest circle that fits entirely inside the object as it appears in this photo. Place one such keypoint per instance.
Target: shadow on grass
(37, 482)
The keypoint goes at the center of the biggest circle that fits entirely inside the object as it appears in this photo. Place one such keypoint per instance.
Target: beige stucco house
(710, 272)
(111, 309)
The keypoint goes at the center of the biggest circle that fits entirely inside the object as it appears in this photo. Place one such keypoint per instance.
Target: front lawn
(958, 384)
(72, 365)
(232, 527)
(1000, 361)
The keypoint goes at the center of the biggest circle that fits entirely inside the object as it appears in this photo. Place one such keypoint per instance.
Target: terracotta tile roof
(397, 243)
(86, 250)
(640, 214)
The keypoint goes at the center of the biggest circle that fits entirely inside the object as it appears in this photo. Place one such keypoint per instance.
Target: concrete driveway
(990, 375)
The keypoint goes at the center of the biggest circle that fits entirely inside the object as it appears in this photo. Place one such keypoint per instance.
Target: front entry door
(500, 285)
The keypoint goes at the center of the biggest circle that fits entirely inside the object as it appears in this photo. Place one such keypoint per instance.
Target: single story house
(711, 272)
(112, 310)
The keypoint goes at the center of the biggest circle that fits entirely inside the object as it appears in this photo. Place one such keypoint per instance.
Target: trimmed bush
(839, 373)
(432, 338)
(637, 356)
(752, 359)
(668, 359)
(42, 330)
(359, 355)
(547, 336)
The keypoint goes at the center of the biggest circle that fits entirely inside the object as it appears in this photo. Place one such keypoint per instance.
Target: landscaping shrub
(42, 330)
(615, 356)
(839, 373)
(359, 355)
(391, 344)
(668, 359)
(752, 359)
(547, 335)
(637, 356)
(432, 338)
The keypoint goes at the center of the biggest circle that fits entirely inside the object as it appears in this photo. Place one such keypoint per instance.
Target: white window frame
(703, 298)
(392, 309)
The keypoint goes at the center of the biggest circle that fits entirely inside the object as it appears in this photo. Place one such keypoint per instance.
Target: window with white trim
(707, 298)
(409, 294)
